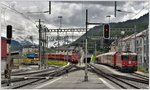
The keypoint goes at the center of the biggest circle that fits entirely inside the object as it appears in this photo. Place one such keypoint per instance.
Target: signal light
(9, 31)
(106, 31)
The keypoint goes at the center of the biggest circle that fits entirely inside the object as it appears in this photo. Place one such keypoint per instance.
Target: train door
(118, 60)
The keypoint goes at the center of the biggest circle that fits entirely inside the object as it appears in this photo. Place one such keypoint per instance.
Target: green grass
(93, 58)
(50, 62)
(142, 69)
(57, 63)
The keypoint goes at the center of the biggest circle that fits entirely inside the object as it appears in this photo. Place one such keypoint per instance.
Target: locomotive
(124, 61)
(31, 59)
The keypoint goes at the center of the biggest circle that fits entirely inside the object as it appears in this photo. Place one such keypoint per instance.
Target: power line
(18, 13)
(140, 10)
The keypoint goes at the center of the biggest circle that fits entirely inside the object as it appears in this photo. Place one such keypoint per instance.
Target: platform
(75, 80)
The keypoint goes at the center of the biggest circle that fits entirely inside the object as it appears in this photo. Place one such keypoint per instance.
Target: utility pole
(40, 59)
(49, 7)
(44, 47)
(67, 46)
(115, 8)
(47, 48)
(135, 37)
(43, 44)
(86, 76)
(60, 17)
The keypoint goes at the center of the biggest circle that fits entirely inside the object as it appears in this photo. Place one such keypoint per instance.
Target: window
(137, 42)
(133, 57)
(124, 57)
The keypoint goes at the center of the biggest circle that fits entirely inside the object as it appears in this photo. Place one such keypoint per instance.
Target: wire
(140, 10)
(18, 13)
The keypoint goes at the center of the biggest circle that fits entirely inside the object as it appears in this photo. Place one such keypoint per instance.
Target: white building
(141, 46)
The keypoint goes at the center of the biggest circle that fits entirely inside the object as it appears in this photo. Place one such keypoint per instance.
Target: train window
(124, 57)
(134, 57)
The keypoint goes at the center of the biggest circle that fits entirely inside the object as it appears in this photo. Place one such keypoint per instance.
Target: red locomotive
(73, 58)
(125, 61)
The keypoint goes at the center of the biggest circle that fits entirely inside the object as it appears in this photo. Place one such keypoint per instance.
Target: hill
(141, 24)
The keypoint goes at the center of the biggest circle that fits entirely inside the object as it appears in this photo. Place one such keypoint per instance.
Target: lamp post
(109, 18)
(122, 33)
(60, 17)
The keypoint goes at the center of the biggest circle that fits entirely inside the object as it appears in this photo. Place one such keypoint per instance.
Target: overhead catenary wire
(17, 12)
(140, 11)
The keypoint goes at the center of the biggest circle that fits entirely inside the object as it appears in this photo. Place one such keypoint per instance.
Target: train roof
(113, 53)
(129, 54)
(109, 53)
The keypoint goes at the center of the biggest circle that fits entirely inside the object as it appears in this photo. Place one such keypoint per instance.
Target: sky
(23, 15)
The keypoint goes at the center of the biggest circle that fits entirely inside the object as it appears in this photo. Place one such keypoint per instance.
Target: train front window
(134, 57)
(124, 57)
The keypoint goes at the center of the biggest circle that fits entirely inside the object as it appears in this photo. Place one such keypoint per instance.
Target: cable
(19, 13)
(140, 10)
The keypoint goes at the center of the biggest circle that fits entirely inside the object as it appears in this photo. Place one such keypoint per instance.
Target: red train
(73, 58)
(124, 61)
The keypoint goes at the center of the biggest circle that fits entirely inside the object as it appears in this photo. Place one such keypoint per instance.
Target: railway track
(22, 75)
(139, 80)
(121, 81)
(41, 78)
(140, 76)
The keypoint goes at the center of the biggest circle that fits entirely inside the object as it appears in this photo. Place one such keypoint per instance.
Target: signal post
(7, 71)
(106, 34)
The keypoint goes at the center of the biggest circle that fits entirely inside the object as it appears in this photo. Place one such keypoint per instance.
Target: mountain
(15, 46)
(141, 24)
(24, 42)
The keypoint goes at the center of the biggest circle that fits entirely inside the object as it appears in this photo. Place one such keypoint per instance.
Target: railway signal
(9, 33)
(106, 31)
(8, 66)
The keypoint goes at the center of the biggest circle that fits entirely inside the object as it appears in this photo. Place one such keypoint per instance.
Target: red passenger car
(126, 61)
(74, 57)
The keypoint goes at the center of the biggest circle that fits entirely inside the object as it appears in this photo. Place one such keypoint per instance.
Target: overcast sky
(20, 14)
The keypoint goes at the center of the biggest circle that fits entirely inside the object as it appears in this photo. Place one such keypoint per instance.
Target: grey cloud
(104, 3)
(73, 13)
